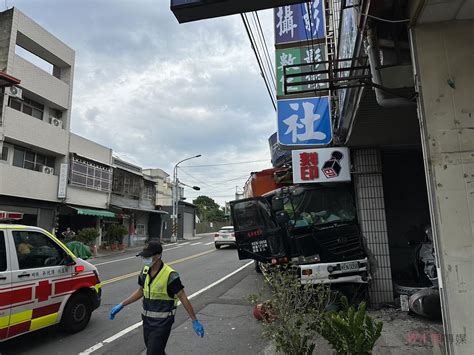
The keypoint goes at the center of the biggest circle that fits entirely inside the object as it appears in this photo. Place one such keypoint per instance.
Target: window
(26, 159)
(3, 253)
(27, 106)
(36, 250)
(149, 192)
(125, 183)
(4, 155)
(90, 175)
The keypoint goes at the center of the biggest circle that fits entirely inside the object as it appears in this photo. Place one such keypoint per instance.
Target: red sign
(309, 166)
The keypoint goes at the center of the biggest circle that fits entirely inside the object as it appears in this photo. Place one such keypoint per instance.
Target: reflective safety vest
(156, 302)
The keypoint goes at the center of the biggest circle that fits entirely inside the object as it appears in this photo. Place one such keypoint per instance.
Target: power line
(258, 59)
(223, 164)
(263, 44)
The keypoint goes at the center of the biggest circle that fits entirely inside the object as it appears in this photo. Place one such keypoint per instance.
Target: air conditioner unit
(57, 122)
(14, 91)
(47, 170)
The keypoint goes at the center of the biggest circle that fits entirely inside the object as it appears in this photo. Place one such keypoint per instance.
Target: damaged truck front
(313, 226)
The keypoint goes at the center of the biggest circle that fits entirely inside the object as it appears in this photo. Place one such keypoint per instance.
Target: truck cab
(313, 226)
(42, 282)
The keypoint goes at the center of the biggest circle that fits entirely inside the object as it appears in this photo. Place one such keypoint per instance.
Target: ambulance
(42, 282)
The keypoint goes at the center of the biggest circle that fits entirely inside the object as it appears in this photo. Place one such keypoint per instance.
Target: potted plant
(115, 236)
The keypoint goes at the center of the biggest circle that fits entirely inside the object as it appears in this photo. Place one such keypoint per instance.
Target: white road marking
(184, 243)
(209, 243)
(196, 243)
(136, 325)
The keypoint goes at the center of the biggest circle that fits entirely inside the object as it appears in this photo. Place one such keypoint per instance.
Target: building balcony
(19, 182)
(24, 129)
(41, 83)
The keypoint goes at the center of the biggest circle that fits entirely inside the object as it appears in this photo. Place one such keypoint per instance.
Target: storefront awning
(98, 213)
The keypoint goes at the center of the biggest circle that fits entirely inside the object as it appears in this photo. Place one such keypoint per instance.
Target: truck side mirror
(277, 204)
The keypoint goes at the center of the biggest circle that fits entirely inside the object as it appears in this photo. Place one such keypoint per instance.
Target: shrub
(87, 235)
(116, 233)
(296, 311)
(351, 331)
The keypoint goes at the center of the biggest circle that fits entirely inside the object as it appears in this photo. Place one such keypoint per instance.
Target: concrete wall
(29, 131)
(89, 149)
(87, 197)
(27, 183)
(444, 57)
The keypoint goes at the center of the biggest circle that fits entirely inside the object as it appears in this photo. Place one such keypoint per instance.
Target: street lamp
(174, 235)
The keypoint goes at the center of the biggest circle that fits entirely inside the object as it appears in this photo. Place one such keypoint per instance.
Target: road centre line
(209, 243)
(184, 243)
(135, 273)
(196, 243)
(137, 325)
(131, 257)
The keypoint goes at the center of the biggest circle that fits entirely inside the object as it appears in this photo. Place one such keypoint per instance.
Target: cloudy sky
(157, 92)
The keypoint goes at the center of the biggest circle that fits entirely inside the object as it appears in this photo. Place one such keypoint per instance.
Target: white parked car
(225, 236)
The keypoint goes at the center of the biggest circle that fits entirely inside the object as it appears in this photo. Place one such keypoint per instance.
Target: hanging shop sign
(303, 122)
(310, 58)
(297, 23)
(321, 165)
(279, 157)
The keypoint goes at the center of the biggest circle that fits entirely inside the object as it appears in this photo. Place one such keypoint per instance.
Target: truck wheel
(257, 267)
(77, 313)
(217, 246)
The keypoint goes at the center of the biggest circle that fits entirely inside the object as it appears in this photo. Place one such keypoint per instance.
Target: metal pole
(174, 235)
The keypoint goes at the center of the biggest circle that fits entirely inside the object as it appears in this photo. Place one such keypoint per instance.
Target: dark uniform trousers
(156, 334)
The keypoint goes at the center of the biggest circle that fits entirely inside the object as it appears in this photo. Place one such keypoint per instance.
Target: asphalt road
(222, 308)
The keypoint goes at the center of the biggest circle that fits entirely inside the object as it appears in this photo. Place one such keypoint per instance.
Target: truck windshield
(321, 206)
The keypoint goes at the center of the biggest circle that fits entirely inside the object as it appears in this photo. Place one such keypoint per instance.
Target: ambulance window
(3, 253)
(36, 250)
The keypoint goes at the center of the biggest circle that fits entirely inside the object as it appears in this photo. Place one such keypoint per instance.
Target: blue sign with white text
(304, 121)
(302, 22)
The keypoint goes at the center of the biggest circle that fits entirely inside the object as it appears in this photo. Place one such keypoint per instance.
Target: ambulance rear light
(79, 268)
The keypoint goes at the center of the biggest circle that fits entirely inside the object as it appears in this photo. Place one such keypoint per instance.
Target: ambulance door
(39, 262)
(5, 285)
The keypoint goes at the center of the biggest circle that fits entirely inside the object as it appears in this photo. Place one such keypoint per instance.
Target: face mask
(147, 261)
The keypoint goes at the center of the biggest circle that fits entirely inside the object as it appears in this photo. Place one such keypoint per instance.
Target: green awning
(98, 213)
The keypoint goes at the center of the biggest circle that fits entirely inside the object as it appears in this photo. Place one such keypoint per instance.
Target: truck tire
(257, 267)
(77, 313)
(217, 246)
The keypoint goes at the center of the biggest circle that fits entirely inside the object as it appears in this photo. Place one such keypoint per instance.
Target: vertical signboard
(304, 121)
(321, 165)
(297, 23)
(296, 55)
(347, 42)
(62, 185)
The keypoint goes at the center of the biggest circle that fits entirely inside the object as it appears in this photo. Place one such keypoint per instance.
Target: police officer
(160, 287)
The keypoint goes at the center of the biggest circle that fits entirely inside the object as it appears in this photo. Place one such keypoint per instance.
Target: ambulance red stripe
(44, 311)
(19, 328)
(74, 284)
(3, 333)
(16, 296)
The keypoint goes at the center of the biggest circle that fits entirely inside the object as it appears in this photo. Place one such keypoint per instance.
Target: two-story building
(133, 197)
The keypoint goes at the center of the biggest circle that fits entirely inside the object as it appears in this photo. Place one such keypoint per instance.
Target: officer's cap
(152, 248)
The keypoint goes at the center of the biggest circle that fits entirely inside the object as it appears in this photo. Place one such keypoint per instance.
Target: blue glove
(115, 310)
(198, 328)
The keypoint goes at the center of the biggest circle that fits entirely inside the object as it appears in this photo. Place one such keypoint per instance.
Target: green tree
(209, 210)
